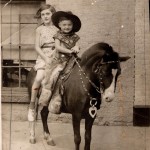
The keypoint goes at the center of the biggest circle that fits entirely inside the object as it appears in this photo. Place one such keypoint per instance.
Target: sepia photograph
(75, 74)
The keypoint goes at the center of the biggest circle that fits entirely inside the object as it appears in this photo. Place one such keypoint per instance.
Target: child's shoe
(44, 97)
(31, 114)
(55, 105)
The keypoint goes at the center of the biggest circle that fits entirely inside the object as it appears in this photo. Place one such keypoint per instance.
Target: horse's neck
(87, 65)
(88, 73)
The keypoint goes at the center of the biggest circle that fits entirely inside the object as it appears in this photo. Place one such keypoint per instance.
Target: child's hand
(75, 49)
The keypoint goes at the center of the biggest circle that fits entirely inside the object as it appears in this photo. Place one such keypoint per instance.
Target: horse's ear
(125, 58)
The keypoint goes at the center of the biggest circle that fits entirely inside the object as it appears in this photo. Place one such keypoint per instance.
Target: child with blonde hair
(44, 46)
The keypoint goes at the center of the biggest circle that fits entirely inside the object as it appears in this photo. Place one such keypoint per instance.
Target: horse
(92, 80)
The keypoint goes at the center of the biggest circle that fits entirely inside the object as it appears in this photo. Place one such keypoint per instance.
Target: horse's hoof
(51, 142)
(45, 137)
(32, 141)
(49, 139)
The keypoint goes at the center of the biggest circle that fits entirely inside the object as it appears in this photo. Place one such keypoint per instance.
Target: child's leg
(55, 103)
(46, 88)
(35, 88)
(50, 78)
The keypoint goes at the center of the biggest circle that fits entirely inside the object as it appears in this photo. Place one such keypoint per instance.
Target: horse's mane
(98, 51)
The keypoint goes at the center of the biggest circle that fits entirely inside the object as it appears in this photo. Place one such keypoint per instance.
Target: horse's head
(108, 69)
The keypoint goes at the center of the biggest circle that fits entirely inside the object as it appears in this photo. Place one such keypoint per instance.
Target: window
(17, 37)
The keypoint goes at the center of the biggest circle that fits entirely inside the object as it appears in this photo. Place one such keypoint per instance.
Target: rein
(81, 70)
(93, 101)
(100, 91)
(109, 62)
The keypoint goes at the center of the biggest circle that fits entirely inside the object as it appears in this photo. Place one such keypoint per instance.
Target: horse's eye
(96, 70)
(102, 71)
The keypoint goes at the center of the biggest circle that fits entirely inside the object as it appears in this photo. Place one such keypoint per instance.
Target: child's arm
(60, 48)
(76, 48)
(38, 48)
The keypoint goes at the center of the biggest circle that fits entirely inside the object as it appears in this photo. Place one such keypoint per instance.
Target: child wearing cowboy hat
(66, 43)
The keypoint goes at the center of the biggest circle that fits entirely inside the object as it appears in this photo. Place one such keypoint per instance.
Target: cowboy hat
(75, 20)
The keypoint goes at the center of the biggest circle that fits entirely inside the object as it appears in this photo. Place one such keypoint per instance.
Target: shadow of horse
(92, 80)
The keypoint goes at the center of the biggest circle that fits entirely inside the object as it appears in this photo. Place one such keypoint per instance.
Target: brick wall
(110, 21)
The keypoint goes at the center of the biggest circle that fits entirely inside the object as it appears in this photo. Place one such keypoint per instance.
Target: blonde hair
(43, 7)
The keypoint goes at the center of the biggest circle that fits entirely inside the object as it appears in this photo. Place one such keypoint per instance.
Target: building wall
(142, 54)
(111, 22)
(124, 24)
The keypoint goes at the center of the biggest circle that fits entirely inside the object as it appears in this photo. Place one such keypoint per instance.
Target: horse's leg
(76, 128)
(88, 129)
(32, 126)
(44, 116)
(32, 132)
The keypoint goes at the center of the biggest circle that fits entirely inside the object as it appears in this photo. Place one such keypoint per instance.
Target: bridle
(93, 101)
(102, 74)
(101, 89)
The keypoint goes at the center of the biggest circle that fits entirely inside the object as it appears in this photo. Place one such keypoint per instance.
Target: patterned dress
(66, 40)
(46, 44)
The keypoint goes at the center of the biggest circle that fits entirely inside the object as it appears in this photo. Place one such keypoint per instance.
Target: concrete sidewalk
(15, 136)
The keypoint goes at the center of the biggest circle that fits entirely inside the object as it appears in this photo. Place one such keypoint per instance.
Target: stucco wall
(124, 24)
(142, 54)
(111, 22)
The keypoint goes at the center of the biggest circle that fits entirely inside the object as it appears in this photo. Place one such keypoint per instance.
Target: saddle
(64, 75)
(55, 104)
